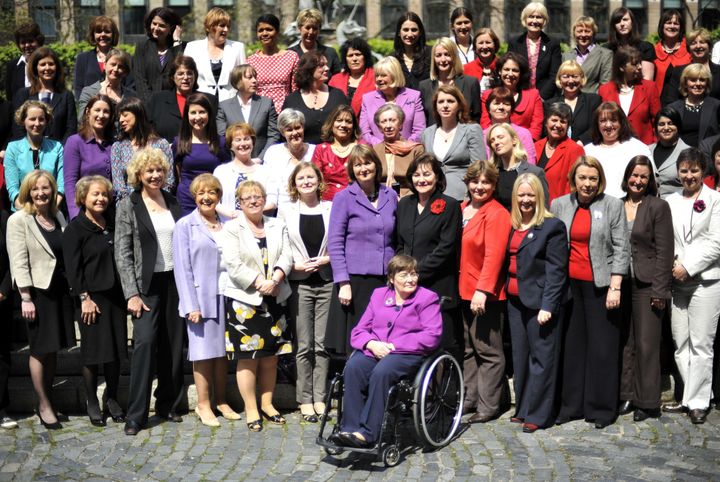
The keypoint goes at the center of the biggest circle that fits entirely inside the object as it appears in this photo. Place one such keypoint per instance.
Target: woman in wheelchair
(401, 325)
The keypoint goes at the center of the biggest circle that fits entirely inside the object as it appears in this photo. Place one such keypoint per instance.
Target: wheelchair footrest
(373, 450)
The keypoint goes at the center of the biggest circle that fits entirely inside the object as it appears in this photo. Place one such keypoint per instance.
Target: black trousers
(6, 321)
(159, 335)
(591, 357)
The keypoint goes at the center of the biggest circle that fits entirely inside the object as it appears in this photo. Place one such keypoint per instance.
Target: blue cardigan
(19, 162)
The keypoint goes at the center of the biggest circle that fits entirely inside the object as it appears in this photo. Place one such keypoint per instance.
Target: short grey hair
(290, 117)
(560, 109)
(386, 107)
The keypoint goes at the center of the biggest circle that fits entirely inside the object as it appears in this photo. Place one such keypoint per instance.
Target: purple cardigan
(415, 327)
(360, 239)
(409, 100)
(83, 158)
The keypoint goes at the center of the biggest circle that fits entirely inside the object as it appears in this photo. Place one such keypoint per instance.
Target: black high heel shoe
(113, 409)
(276, 419)
(96, 417)
(49, 426)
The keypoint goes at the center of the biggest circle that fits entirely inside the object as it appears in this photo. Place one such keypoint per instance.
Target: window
(45, 13)
(513, 27)
(709, 14)
(481, 10)
(437, 18)
(559, 25)
(639, 10)
(390, 11)
(181, 7)
(133, 20)
(85, 10)
(599, 11)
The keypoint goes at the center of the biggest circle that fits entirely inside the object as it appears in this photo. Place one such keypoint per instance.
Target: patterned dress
(275, 75)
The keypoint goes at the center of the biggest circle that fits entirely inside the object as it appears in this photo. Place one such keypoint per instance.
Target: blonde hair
(541, 214)
(29, 182)
(457, 66)
(518, 152)
(142, 160)
(309, 15)
(82, 188)
(216, 16)
(585, 21)
(205, 180)
(391, 66)
(591, 162)
(22, 113)
(248, 186)
(573, 68)
(533, 7)
(695, 71)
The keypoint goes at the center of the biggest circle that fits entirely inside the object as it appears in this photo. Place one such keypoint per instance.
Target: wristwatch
(84, 296)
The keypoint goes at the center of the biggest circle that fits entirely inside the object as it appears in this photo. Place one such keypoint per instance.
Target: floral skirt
(255, 331)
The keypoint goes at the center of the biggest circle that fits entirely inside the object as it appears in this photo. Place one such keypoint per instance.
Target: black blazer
(548, 63)
(709, 117)
(64, 122)
(89, 259)
(671, 87)
(14, 77)
(653, 246)
(150, 76)
(541, 266)
(434, 240)
(582, 118)
(164, 113)
(87, 72)
(469, 87)
(146, 232)
(5, 280)
(420, 70)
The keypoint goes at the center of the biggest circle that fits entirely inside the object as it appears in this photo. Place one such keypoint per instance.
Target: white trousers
(695, 311)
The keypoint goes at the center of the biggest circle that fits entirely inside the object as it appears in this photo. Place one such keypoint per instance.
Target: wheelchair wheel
(391, 455)
(438, 400)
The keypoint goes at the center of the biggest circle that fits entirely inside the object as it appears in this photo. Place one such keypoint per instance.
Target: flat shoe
(602, 425)
(697, 416)
(277, 419)
(230, 414)
(310, 417)
(673, 407)
(255, 426)
(131, 428)
(480, 418)
(208, 422)
(529, 427)
(516, 420)
(352, 440)
(625, 407)
(643, 414)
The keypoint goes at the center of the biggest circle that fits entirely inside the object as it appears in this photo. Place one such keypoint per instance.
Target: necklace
(46, 224)
(633, 204)
(625, 89)
(341, 151)
(372, 197)
(447, 136)
(212, 226)
(669, 50)
(694, 108)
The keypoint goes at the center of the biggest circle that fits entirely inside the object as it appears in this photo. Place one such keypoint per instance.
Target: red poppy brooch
(699, 206)
(438, 206)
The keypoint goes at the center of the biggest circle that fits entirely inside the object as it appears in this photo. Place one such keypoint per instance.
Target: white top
(625, 100)
(279, 164)
(440, 146)
(164, 224)
(614, 159)
(245, 108)
(230, 176)
(465, 58)
(715, 56)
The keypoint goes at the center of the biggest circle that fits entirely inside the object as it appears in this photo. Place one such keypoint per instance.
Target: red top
(475, 68)
(559, 165)
(367, 84)
(333, 169)
(580, 267)
(515, 241)
(181, 102)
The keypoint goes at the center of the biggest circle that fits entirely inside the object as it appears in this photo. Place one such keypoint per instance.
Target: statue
(331, 10)
(348, 28)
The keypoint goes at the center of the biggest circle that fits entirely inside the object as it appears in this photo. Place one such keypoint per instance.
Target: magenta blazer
(415, 327)
(409, 100)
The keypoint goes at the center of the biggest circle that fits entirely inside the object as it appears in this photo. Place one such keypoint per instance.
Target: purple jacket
(415, 327)
(83, 158)
(408, 100)
(196, 258)
(360, 239)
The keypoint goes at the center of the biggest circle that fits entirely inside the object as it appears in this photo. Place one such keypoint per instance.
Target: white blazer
(697, 240)
(290, 213)
(244, 260)
(233, 55)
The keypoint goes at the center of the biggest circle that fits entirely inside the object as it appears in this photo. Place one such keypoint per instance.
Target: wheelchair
(432, 398)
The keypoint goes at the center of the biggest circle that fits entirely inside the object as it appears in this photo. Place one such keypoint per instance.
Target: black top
(216, 67)
(505, 187)
(14, 77)
(332, 57)
(542, 160)
(152, 73)
(89, 255)
(54, 239)
(647, 50)
(315, 118)
(661, 154)
(312, 232)
(690, 127)
(420, 69)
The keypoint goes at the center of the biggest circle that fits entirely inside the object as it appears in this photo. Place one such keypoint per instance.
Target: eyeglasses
(252, 198)
(404, 275)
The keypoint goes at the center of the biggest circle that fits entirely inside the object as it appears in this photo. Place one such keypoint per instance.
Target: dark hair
(666, 16)
(671, 114)
(626, 130)
(269, 19)
(306, 68)
(427, 159)
(184, 145)
(358, 43)
(461, 12)
(652, 187)
(326, 132)
(32, 70)
(102, 22)
(398, 264)
(142, 132)
(463, 115)
(521, 61)
(502, 95)
(692, 156)
(364, 152)
(711, 164)
(560, 109)
(86, 131)
(167, 15)
(186, 62)
(421, 56)
(29, 31)
(623, 55)
(613, 40)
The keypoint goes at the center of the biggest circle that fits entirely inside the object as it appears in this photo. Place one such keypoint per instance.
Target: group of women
(292, 201)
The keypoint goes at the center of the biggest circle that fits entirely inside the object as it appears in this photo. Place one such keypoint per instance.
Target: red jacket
(528, 113)
(559, 165)
(475, 68)
(482, 255)
(367, 83)
(663, 61)
(645, 104)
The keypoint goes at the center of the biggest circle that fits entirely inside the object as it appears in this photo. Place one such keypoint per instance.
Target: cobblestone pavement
(666, 449)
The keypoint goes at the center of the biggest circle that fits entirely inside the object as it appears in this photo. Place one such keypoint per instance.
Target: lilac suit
(409, 100)
(197, 268)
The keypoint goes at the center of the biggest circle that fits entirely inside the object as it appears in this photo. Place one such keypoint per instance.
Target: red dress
(275, 75)
(333, 169)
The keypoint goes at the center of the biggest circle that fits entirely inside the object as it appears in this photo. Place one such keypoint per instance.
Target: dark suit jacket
(671, 88)
(330, 54)
(5, 279)
(420, 70)
(263, 118)
(709, 116)
(89, 261)
(150, 76)
(469, 87)
(652, 246)
(432, 239)
(164, 113)
(64, 122)
(14, 77)
(582, 118)
(541, 266)
(548, 62)
(87, 72)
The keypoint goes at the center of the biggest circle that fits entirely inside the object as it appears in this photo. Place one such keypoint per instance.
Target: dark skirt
(255, 331)
(105, 340)
(53, 328)
(342, 319)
